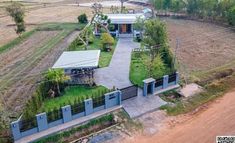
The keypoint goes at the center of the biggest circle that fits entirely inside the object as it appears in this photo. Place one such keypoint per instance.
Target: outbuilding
(79, 65)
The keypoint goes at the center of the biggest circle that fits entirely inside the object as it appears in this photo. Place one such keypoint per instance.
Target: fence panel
(159, 82)
(54, 115)
(27, 124)
(129, 92)
(98, 101)
(77, 108)
(172, 78)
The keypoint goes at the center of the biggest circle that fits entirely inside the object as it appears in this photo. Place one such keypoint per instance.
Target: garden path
(117, 73)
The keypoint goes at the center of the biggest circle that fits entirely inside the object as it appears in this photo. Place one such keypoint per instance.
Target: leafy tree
(17, 12)
(82, 18)
(158, 67)
(231, 16)
(106, 41)
(56, 77)
(155, 36)
(139, 25)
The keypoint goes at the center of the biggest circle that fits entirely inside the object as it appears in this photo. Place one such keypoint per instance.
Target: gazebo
(79, 65)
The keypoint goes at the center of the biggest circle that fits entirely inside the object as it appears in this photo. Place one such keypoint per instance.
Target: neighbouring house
(121, 25)
(79, 65)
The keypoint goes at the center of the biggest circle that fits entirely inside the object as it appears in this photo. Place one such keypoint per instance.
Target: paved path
(66, 125)
(140, 105)
(117, 73)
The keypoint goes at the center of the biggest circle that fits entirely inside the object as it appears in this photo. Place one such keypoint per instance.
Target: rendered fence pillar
(67, 114)
(177, 78)
(116, 33)
(145, 92)
(42, 121)
(165, 81)
(88, 106)
(120, 97)
(15, 130)
(148, 82)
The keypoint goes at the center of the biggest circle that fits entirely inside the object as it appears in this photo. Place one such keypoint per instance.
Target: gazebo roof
(78, 59)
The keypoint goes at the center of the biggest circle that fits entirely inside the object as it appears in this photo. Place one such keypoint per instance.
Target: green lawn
(105, 57)
(138, 70)
(72, 94)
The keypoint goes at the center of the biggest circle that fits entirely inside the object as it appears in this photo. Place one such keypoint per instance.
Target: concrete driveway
(117, 73)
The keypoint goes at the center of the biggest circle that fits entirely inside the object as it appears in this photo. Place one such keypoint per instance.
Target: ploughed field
(203, 46)
(21, 66)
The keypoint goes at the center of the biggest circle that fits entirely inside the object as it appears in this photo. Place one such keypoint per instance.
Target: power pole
(176, 49)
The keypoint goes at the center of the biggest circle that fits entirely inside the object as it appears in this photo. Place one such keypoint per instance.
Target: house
(79, 65)
(121, 25)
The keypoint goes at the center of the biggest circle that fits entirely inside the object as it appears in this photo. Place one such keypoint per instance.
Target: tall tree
(17, 12)
(122, 5)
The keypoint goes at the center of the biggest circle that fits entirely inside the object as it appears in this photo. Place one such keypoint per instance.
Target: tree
(17, 12)
(56, 77)
(158, 67)
(231, 16)
(155, 36)
(122, 5)
(139, 25)
(82, 18)
(106, 41)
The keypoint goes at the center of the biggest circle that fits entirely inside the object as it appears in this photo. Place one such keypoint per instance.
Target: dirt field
(215, 119)
(37, 13)
(203, 46)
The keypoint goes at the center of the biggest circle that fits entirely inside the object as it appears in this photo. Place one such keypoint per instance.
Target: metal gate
(129, 92)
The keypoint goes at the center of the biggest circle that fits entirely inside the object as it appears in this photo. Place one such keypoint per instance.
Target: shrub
(106, 41)
(82, 18)
(231, 16)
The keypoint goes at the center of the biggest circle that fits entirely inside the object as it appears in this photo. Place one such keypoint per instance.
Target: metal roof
(78, 59)
(124, 18)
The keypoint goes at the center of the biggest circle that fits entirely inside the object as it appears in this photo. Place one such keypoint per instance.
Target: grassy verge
(77, 132)
(105, 57)
(212, 91)
(72, 94)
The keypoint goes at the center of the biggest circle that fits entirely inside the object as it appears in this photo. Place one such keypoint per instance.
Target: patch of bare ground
(203, 46)
(202, 125)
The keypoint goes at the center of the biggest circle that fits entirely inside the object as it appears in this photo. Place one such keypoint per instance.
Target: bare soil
(202, 126)
(203, 46)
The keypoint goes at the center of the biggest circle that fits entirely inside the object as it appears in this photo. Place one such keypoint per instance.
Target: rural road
(216, 119)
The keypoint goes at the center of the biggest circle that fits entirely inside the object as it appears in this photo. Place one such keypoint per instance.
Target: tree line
(219, 10)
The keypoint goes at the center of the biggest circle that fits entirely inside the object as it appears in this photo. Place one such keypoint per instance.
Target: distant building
(122, 24)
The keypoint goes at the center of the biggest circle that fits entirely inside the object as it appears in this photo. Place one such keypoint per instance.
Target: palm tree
(56, 77)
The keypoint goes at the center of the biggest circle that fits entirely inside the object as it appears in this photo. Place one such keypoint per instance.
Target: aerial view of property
(117, 71)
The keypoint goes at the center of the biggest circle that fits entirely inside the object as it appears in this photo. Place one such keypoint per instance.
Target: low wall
(110, 100)
(152, 85)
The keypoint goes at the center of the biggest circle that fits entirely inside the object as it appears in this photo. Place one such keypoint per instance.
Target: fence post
(152, 87)
(15, 130)
(120, 97)
(88, 106)
(177, 77)
(165, 81)
(66, 112)
(145, 92)
(42, 121)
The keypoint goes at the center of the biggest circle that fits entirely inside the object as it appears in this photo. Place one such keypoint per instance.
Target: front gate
(129, 92)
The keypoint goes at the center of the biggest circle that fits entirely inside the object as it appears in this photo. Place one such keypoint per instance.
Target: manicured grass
(72, 94)
(212, 91)
(16, 41)
(138, 70)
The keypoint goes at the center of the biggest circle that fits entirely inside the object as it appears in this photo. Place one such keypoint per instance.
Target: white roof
(78, 59)
(124, 18)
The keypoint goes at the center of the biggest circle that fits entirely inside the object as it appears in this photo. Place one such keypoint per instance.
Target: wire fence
(98, 101)
(27, 124)
(54, 115)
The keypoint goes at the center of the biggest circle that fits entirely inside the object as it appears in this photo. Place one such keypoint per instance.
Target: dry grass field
(204, 47)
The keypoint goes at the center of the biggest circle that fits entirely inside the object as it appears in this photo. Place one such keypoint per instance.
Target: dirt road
(217, 118)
